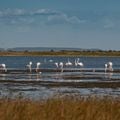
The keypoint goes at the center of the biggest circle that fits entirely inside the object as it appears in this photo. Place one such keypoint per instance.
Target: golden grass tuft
(66, 108)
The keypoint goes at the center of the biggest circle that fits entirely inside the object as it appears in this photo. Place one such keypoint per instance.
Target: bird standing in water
(61, 66)
(108, 66)
(3, 67)
(37, 68)
(30, 66)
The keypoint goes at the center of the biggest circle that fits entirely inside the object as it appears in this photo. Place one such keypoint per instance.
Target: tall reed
(66, 108)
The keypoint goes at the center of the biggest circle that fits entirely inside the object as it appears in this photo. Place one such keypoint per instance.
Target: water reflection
(108, 75)
(38, 76)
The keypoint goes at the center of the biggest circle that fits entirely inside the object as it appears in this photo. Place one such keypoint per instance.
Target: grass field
(61, 53)
(66, 108)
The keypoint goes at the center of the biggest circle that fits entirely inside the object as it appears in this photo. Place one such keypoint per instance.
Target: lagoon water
(44, 89)
(89, 62)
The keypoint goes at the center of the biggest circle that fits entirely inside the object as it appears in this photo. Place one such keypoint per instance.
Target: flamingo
(80, 64)
(30, 66)
(61, 66)
(108, 66)
(77, 63)
(68, 63)
(57, 65)
(37, 67)
(3, 67)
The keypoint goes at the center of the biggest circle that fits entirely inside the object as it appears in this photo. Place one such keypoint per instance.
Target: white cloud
(57, 18)
(21, 16)
(12, 12)
(19, 12)
(40, 17)
(108, 23)
(64, 18)
(44, 12)
(22, 21)
(75, 20)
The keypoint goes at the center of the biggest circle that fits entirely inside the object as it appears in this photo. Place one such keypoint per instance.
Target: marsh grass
(60, 53)
(66, 108)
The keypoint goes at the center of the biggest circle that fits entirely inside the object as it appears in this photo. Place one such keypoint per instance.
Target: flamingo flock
(60, 65)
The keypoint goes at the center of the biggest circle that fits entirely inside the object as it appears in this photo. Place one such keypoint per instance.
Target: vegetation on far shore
(66, 108)
(60, 53)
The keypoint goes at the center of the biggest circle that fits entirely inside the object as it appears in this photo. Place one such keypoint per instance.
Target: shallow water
(42, 86)
(48, 62)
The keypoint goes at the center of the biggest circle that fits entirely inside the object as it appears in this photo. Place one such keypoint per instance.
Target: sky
(60, 23)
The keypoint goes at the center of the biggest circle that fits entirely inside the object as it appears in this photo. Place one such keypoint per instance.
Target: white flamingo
(3, 67)
(61, 66)
(108, 66)
(80, 64)
(57, 65)
(30, 66)
(68, 63)
(77, 63)
(37, 67)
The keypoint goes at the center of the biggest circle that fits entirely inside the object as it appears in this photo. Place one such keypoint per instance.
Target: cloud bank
(22, 17)
(46, 16)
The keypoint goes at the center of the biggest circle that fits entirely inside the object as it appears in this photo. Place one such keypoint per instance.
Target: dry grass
(67, 108)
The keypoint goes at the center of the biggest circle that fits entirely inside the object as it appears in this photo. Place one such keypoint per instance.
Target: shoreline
(62, 53)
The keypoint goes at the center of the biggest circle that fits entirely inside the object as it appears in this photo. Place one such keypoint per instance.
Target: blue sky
(60, 23)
